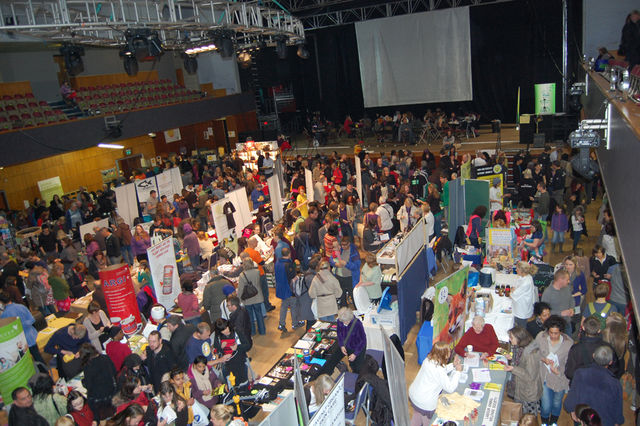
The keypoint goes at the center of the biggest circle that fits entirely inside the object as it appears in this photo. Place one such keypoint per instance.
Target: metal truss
(316, 14)
(178, 22)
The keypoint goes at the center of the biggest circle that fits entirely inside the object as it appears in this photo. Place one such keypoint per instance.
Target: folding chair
(363, 396)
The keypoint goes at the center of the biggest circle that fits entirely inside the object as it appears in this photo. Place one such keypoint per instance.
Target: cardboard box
(510, 413)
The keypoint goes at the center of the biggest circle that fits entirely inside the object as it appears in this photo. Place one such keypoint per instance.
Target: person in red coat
(116, 350)
(481, 336)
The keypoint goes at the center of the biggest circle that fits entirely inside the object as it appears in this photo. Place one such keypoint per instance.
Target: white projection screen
(416, 58)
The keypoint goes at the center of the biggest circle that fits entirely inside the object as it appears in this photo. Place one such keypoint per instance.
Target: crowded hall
(319, 213)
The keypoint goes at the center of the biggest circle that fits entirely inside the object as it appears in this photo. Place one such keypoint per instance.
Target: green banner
(545, 98)
(16, 364)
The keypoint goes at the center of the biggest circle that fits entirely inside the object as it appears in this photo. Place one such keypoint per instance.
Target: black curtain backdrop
(513, 44)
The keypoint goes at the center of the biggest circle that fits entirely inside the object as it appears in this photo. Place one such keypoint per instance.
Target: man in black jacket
(313, 225)
(581, 353)
(22, 411)
(180, 333)
(112, 245)
(240, 318)
(158, 358)
(48, 243)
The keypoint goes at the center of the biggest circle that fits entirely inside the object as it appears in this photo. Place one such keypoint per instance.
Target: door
(129, 166)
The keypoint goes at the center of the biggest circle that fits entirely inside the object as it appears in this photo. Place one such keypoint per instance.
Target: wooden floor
(269, 348)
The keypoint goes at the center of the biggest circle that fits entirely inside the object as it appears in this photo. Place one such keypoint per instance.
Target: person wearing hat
(495, 195)
(229, 291)
(116, 350)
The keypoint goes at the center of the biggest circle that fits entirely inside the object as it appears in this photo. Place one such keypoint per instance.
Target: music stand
(424, 135)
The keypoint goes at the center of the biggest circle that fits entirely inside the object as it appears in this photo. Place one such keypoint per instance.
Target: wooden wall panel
(15, 88)
(78, 168)
(105, 79)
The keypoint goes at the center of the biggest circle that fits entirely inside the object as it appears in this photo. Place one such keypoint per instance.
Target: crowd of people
(322, 251)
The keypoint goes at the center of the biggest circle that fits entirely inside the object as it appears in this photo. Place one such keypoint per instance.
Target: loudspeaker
(526, 133)
(538, 140)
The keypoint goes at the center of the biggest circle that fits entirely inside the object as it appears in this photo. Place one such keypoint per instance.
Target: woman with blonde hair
(615, 333)
(325, 289)
(432, 379)
(222, 415)
(60, 287)
(524, 294)
(316, 392)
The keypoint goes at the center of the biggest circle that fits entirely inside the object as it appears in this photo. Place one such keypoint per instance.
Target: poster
(276, 198)
(331, 412)
(165, 185)
(242, 216)
(87, 228)
(164, 272)
(108, 174)
(308, 183)
(449, 307)
(172, 135)
(545, 98)
(501, 244)
(144, 188)
(359, 179)
(16, 364)
(50, 187)
(121, 298)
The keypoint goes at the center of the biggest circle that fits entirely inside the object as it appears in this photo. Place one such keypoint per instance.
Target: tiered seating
(24, 110)
(111, 99)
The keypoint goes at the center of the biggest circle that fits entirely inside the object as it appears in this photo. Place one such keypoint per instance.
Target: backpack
(602, 315)
(306, 253)
(299, 285)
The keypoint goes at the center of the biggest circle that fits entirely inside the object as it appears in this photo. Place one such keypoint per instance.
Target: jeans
(521, 322)
(576, 238)
(195, 261)
(255, 313)
(551, 402)
(195, 321)
(127, 254)
(437, 223)
(558, 237)
(290, 302)
(619, 306)
(265, 291)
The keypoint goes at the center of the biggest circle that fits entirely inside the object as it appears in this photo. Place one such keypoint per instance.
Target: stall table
(82, 304)
(53, 325)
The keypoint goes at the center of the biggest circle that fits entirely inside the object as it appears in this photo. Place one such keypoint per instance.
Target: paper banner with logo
(144, 188)
(50, 187)
(164, 272)
(16, 364)
(449, 307)
(172, 135)
(308, 183)
(121, 298)
(165, 185)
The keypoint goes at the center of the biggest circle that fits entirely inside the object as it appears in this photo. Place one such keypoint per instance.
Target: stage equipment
(72, 55)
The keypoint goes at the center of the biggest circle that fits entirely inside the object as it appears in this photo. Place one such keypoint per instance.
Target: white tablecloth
(389, 320)
(500, 316)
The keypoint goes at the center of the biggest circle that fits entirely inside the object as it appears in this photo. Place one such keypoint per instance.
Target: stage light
(227, 48)
(110, 146)
(244, 58)
(129, 62)
(281, 48)
(143, 43)
(302, 52)
(72, 58)
(190, 64)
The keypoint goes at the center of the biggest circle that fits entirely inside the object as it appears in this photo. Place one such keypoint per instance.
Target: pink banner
(121, 298)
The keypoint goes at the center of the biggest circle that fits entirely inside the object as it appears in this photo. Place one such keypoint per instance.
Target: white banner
(164, 272)
(331, 412)
(241, 216)
(127, 204)
(176, 180)
(359, 178)
(308, 183)
(87, 228)
(172, 135)
(144, 188)
(398, 387)
(276, 199)
(395, 52)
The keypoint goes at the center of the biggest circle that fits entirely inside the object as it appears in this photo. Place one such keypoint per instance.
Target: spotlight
(244, 58)
(129, 62)
(143, 43)
(281, 48)
(73, 58)
(190, 64)
(227, 48)
(302, 52)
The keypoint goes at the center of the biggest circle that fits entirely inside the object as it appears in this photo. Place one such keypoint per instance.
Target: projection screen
(416, 58)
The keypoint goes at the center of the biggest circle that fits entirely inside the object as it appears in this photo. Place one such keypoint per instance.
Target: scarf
(203, 383)
(185, 393)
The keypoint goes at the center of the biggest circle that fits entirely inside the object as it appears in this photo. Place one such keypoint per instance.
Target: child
(577, 223)
(601, 309)
(559, 225)
(172, 409)
(78, 408)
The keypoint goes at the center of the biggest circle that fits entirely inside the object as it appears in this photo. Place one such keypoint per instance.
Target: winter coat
(527, 375)
(325, 288)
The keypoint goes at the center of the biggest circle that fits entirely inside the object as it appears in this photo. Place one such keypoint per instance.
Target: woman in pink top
(188, 302)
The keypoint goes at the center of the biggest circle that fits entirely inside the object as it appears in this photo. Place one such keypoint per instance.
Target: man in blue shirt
(30, 333)
(285, 271)
(257, 197)
(200, 344)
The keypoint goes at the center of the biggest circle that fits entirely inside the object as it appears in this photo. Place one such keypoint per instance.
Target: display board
(127, 203)
(276, 199)
(359, 179)
(298, 389)
(16, 364)
(87, 228)
(410, 245)
(331, 412)
(241, 216)
(476, 193)
(121, 298)
(308, 183)
(545, 98)
(449, 307)
(165, 185)
(283, 412)
(176, 180)
(164, 272)
(500, 243)
(398, 386)
(50, 187)
(144, 188)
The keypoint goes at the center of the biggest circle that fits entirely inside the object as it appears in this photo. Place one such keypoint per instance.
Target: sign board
(87, 228)
(164, 272)
(16, 366)
(359, 179)
(449, 307)
(545, 98)
(172, 135)
(127, 203)
(308, 183)
(144, 188)
(108, 174)
(331, 412)
(50, 187)
(397, 387)
(121, 298)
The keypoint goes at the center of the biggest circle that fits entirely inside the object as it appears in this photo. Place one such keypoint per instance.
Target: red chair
(33, 105)
(39, 118)
(10, 108)
(27, 120)
(21, 106)
(8, 100)
(43, 104)
(4, 123)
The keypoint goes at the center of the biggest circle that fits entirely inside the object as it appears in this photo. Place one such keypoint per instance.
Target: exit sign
(127, 151)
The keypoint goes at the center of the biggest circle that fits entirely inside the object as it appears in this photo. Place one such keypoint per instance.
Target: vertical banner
(276, 199)
(164, 272)
(50, 187)
(176, 180)
(87, 228)
(359, 178)
(219, 219)
(398, 387)
(308, 183)
(165, 186)
(331, 412)
(16, 364)
(121, 298)
(449, 308)
(298, 390)
(545, 98)
(127, 203)
(144, 188)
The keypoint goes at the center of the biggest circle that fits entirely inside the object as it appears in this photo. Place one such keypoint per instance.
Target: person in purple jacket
(559, 226)
(351, 338)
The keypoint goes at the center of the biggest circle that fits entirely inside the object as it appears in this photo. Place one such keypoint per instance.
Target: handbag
(248, 290)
